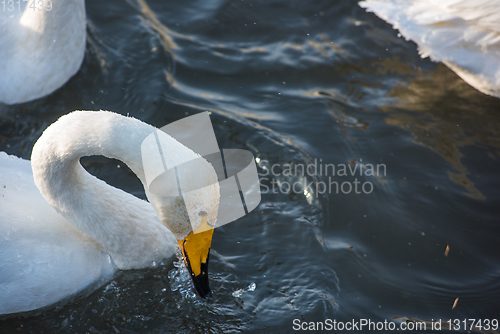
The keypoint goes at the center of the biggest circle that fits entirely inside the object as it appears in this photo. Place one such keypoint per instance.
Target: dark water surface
(296, 83)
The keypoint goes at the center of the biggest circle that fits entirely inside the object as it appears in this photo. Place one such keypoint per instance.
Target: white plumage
(463, 34)
(62, 229)
(41, 47)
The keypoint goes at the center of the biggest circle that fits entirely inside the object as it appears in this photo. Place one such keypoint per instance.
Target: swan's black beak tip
(198, 268)
(201, 282)
(196, 252)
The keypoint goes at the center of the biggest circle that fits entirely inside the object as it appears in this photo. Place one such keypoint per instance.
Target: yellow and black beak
(195, 249)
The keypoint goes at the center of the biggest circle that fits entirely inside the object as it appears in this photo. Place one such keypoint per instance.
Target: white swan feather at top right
(463, 34)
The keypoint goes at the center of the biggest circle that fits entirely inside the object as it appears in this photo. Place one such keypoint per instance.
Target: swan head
(191, 215)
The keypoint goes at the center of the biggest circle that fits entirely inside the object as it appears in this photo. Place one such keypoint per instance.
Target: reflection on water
(337, 110)
(444, 114)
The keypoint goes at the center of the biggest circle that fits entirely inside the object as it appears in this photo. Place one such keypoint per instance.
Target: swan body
(62, 229)
(43, 258)
(463, 34)
(40, 49)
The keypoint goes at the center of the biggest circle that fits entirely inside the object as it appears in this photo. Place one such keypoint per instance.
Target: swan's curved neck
(56, 155)
(127, 227)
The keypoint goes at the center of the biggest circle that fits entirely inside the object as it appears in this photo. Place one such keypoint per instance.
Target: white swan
(41, 47)
(82, 230)
(463, 34)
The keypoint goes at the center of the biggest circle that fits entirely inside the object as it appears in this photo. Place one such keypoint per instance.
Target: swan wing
(43, 258)
(463, 34)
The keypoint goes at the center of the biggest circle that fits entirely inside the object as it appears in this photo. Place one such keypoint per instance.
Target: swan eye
(204, 218)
